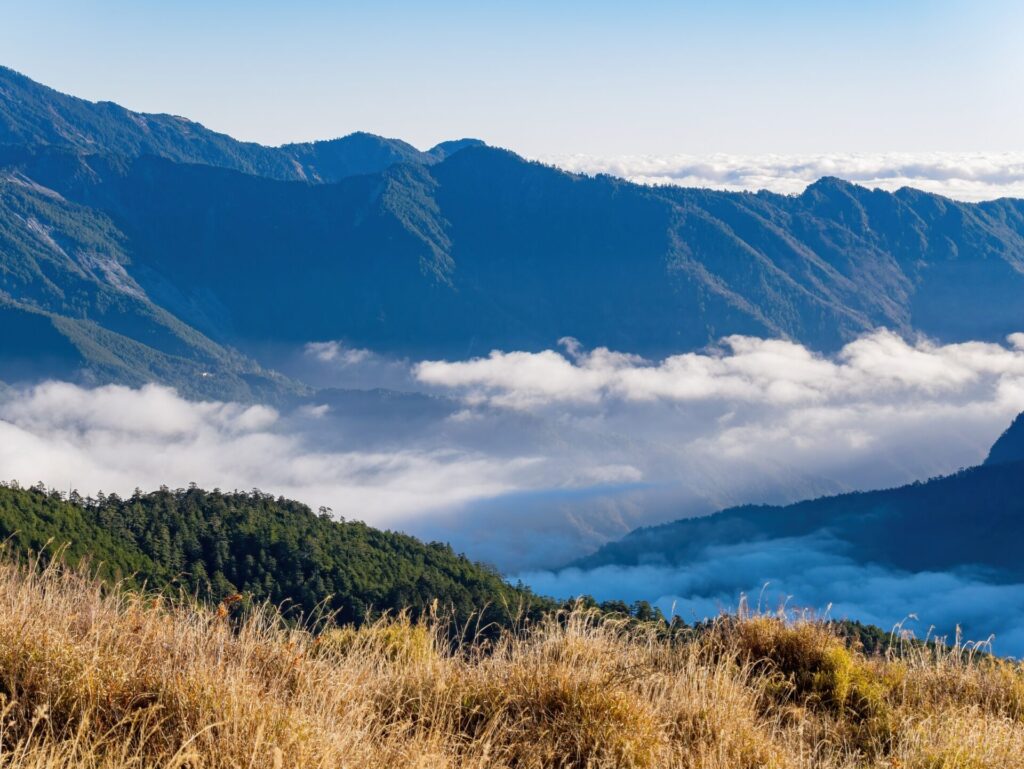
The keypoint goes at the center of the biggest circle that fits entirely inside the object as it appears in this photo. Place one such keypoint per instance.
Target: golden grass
(97, 679)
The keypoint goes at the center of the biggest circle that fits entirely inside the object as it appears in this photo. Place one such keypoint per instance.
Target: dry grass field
(94, 678)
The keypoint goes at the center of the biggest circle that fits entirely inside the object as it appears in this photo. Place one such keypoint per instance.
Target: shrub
(808, 664)
(395, 640)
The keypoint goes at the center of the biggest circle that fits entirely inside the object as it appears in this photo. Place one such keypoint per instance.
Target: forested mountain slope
(69, 305)
(971, 519)
(33, 114)
(202, 245)
(215, 544)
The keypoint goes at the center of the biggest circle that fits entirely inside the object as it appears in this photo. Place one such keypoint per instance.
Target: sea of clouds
(531, 459)
(968, 176)
(810, 574)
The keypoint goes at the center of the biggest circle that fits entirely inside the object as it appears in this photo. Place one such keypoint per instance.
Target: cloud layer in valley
(529, 460)
(880, 403)
(809, 573)
(878, 367)
(969, 176)
(116, 438)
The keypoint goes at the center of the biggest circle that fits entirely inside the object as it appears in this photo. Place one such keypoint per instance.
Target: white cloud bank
(117, 438)
(752, 421)
(877, 368)
(809, 573)
(529, 460)
(968, 176)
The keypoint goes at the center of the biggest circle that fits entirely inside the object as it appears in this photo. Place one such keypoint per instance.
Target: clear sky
(549, 77)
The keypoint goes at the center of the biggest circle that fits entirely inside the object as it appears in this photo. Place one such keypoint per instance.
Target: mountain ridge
(971, 519)
(472, 249)
(32, 113)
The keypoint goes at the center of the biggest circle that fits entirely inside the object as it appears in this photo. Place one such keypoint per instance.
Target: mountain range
(140, 247)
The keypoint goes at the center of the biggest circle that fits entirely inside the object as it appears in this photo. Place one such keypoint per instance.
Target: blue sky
(550, 77)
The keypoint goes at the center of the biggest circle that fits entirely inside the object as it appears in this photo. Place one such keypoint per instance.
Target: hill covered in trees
(260, 548)
(973, 518)
(216, 544)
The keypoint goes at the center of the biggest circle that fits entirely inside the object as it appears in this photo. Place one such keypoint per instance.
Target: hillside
(68, 303)
(1010, 445)
(215, 246)
(99, 678)
(215, 544)
(973, 518)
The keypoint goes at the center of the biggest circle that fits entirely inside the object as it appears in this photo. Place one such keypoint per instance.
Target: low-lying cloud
(880, 410)
(529, 460)
(116, 439)
(968, 176)
(811, 573)
(772, 372)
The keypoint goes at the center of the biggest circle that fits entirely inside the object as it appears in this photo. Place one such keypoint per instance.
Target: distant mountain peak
(449, 148)
(364, 138)
(830, 185)
(32, 114)
(1009, 447)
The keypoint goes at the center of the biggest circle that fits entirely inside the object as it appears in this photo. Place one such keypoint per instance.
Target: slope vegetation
(33, 114)
(68, 304)
(96, 678)
(466, 248)
(214, 544)
(973, 518)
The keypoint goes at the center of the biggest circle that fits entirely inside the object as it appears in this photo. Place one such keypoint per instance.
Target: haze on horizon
(598, 79)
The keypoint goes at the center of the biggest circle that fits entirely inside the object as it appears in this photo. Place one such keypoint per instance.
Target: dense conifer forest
(216, 544)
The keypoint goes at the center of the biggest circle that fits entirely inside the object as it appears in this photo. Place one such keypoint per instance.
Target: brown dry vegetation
(94, 678)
